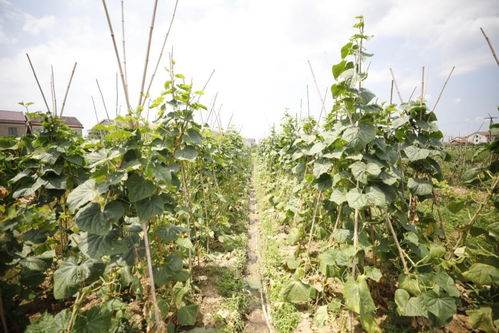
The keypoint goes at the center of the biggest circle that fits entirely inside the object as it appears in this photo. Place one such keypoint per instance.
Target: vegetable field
(356, 223)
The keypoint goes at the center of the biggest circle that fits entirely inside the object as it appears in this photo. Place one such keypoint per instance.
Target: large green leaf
(188, 153)
(298, 292)
(481, 319)
(139, 188)
(338, 196)
(358, 299)
(356, 199)
(97, 319)
(420, 186)
(90, 218)
(187, 315)
(361, 171)
(375, 196)
(96, 246)
(149, 207)
(320, 316)
(82, 194)
(359, 136)
(414, 153)
(71, 276)
(169, 232)
(49, 323)
(442, 307)
(482, 274)
(321, 166)
(410, 306)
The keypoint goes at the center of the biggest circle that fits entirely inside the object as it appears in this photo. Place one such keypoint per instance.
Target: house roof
(18, 117)
(12, 117)
(484, 133)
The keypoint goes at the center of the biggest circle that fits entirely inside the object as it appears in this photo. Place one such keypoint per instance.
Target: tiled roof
(12, 117)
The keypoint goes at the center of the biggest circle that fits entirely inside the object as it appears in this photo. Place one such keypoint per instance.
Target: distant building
(475, 138)
(15, 123)
(250, 142)
(479, 138)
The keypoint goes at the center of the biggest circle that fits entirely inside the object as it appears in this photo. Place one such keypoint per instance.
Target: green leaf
(139, 188)
(96, 246)
(149, 207)
(161, 173)
(320, 316)
(70, 276)
(188, 153)
(400, 121)
(97, 319)
(437, 251)
(114, 211)
(346, 50)
(409, 306)
(357, 199)
(48, 323)
(187, 315)
(361, 171)
(359, 136)
(82, 194)
(358, 299)
(90, 218)
(481, 319)
(297, 292)
(373, 273)
(321, 166)
(442, 307)
(338, 69)
(420, 186)
(456, 206)
(414, 153)
(193, 137)
(169, 232)
(375, 196)
(482, 274)
(338, 196)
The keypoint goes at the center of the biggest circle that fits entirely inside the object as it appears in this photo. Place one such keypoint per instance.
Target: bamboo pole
(95, 110)
(396, 86)
(123, 39)
(490, 46)
(38, 83)
(123, 81)
(317, 86)
(67, 89)
(443, 88)
(162, 50)
(52, 90)
(148, 50)
(102, 98)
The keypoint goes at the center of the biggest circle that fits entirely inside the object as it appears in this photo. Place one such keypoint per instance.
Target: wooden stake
(102, 98)
(412, 93)
(443, 88)
(391, 93)
(148, 50)
(123, 39)
(396, 86)
(52, 89)
(38, 83)
(422, 84)
(95, 110)
(490, 46)
(317, 87)
(162, 49)
(123, 81)
(67, 89)
(116, 111)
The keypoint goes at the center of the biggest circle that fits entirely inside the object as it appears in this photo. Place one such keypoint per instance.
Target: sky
(259, 50)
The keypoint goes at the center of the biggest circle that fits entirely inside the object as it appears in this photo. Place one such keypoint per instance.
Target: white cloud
(35, 25)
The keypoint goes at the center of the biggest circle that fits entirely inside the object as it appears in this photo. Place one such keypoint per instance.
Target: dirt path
(256, 318)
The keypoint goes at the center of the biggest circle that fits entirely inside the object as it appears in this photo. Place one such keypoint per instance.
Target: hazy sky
(259, 50)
